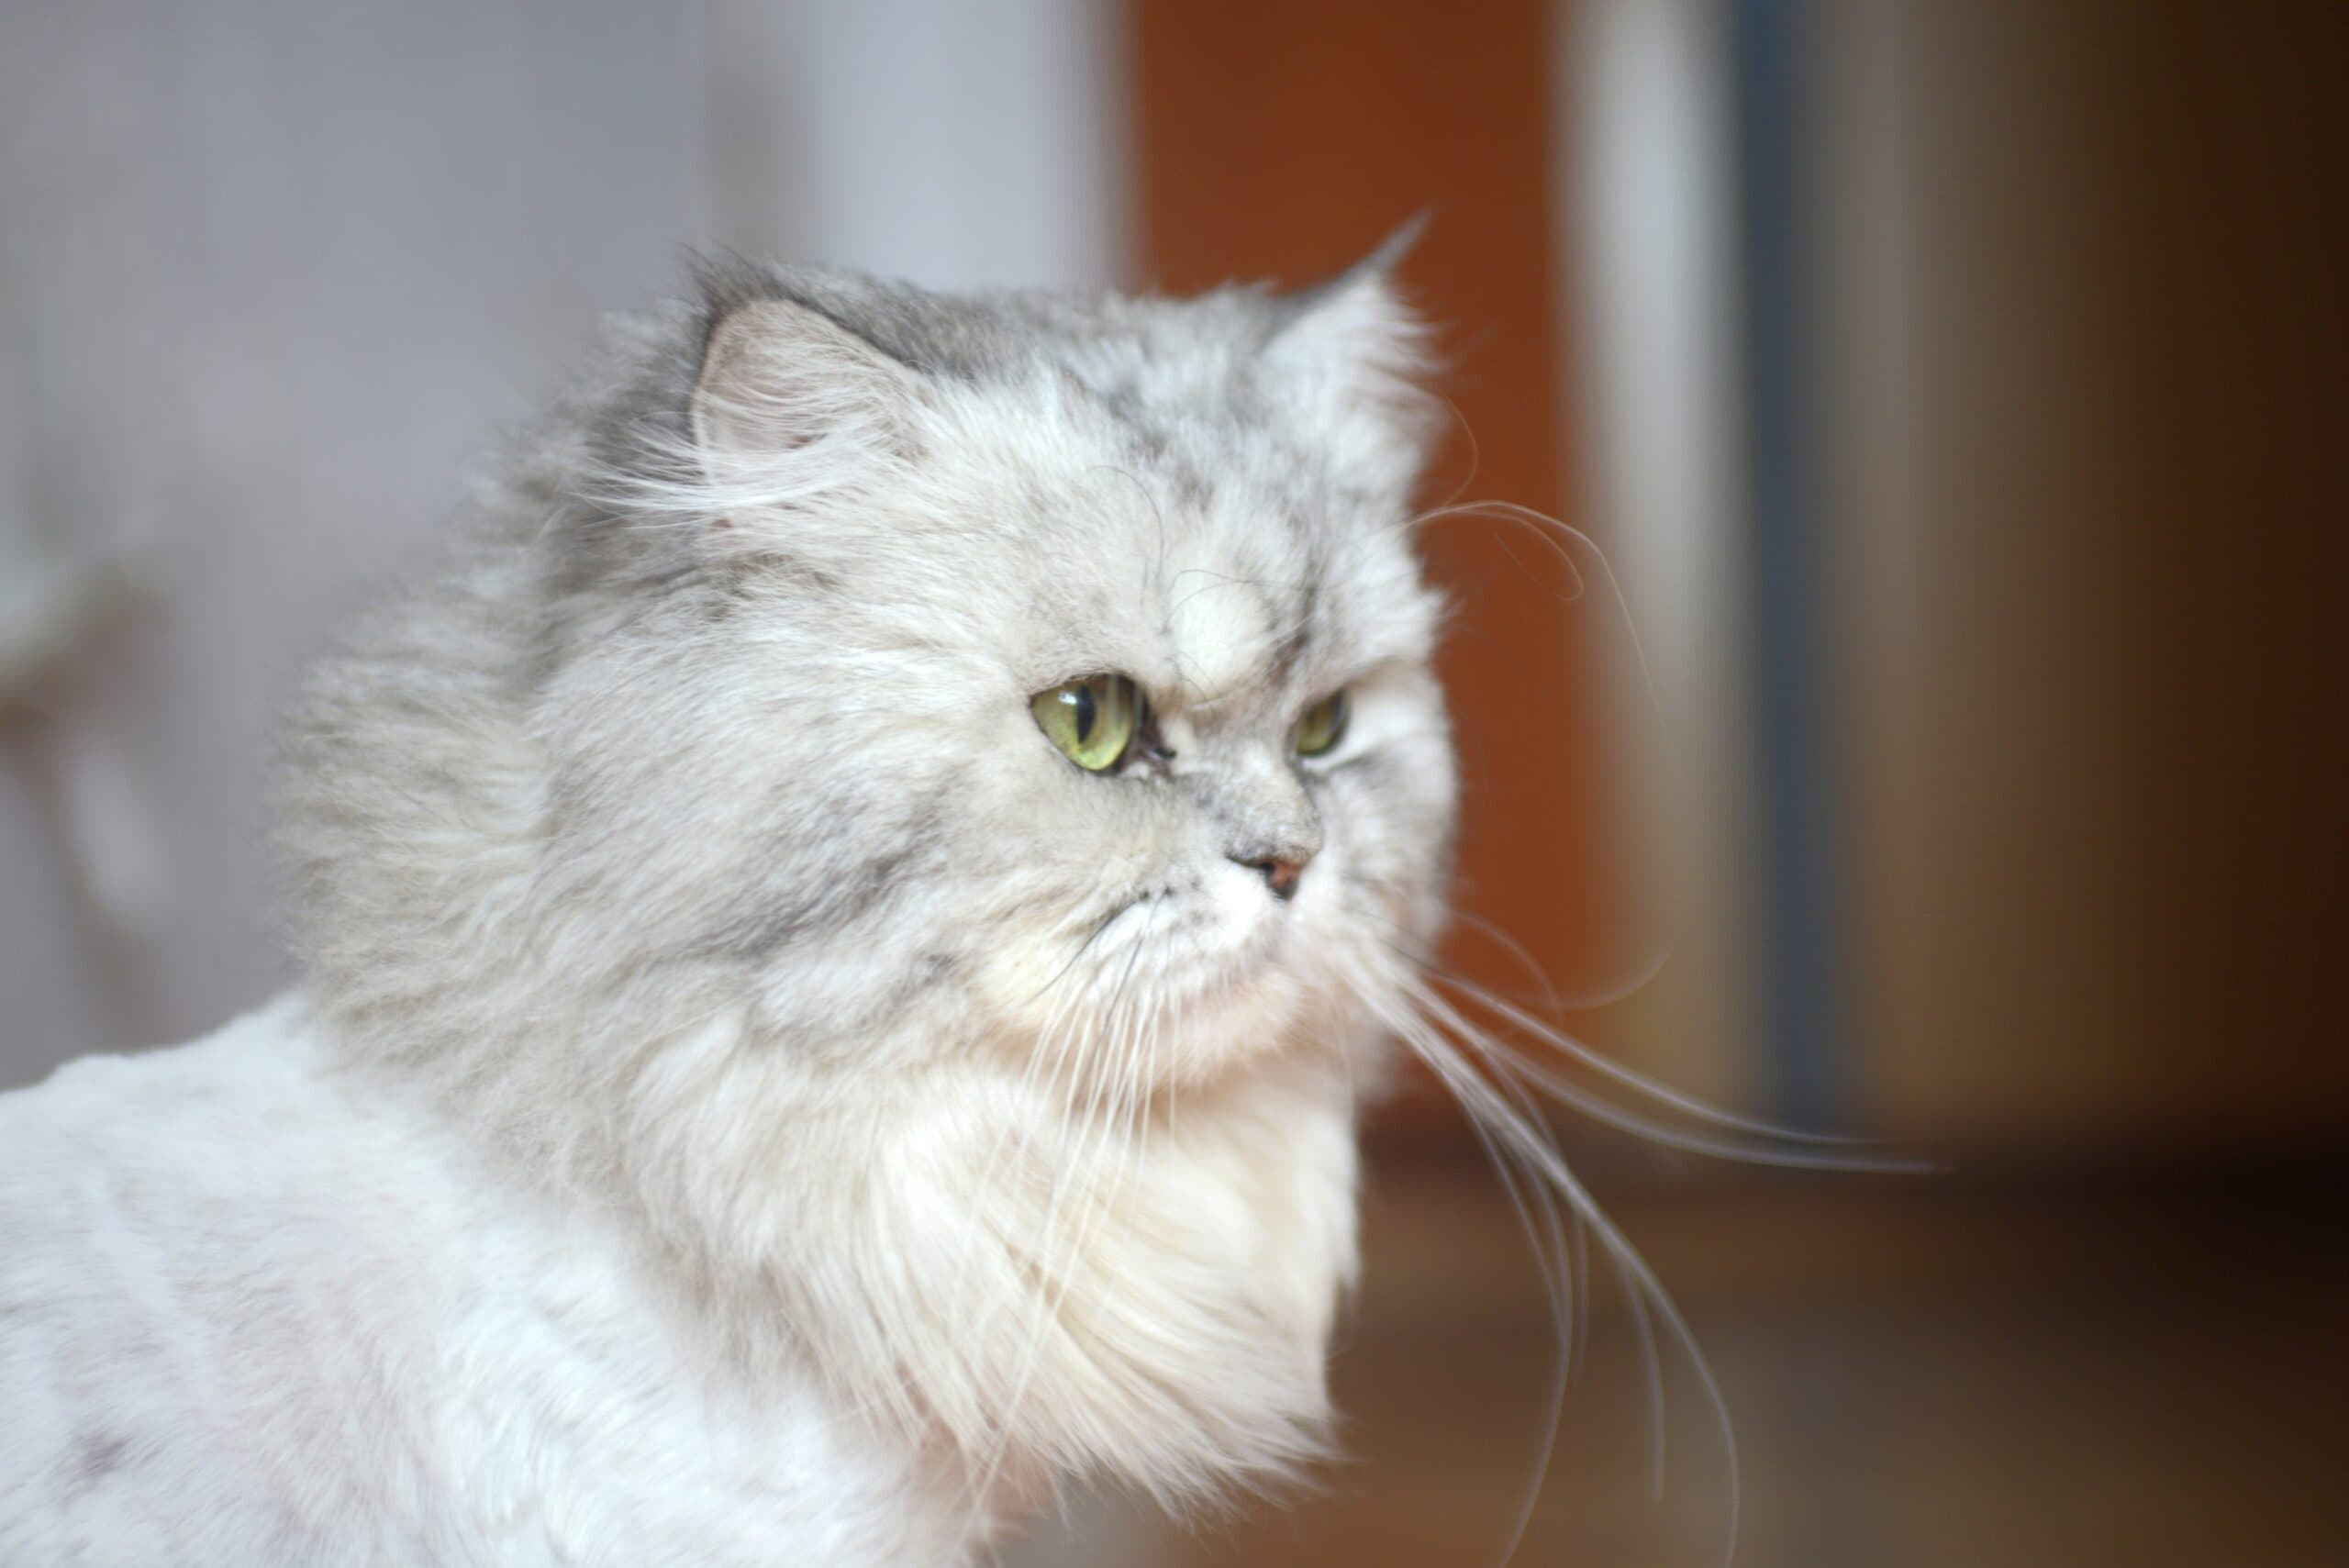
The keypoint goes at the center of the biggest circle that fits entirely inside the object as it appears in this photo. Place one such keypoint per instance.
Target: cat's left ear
(791, 407)
(1352, 355)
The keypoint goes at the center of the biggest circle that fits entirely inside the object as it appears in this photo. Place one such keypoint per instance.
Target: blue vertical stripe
(1803, 1030)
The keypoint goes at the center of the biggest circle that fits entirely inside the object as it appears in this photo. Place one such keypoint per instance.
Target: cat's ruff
(305, 1322)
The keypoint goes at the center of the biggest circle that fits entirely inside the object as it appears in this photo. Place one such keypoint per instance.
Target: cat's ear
(1352, 356)
(790, 405)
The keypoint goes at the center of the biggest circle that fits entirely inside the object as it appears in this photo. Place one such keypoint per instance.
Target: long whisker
(1579, 1097)
(1813, 1151)
(1583, 1098)
(1102, 1124)
(1532, 1200)
(1548, 528)
(1639, 1083)
(1629, 985)
(1530, 1138)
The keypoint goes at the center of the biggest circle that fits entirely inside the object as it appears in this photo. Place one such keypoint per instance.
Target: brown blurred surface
(2105, 835)
(1921, 1373)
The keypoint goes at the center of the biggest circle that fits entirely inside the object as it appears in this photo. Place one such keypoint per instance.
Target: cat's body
(752, 1098)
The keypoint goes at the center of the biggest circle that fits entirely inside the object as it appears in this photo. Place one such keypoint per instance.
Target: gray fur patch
(95, 1457)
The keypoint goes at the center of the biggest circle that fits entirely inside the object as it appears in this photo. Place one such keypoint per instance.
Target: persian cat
(843, 935)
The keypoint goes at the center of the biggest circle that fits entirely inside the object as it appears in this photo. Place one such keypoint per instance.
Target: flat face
(1175, 498)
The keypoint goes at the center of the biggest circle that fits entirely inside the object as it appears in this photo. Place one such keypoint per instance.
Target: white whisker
(1515, 1125)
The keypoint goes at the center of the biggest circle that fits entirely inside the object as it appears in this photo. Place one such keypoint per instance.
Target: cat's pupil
(1084, 714)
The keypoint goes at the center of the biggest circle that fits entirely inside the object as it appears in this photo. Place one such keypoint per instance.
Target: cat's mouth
(1182, 977)
(1215, 976)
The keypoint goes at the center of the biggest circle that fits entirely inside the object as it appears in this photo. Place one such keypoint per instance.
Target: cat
(844, 934)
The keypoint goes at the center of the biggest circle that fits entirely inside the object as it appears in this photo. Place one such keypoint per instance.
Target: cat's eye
(1091, 720)
(1323, 726)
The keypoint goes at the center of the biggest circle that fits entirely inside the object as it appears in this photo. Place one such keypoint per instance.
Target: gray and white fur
(751, 1098)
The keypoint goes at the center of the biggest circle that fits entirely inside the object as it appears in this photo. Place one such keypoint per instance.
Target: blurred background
(1932, 731)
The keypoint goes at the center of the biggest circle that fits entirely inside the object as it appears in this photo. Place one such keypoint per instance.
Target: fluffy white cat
(843, 936)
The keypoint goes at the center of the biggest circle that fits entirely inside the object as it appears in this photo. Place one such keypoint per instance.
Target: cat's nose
(1281, 876)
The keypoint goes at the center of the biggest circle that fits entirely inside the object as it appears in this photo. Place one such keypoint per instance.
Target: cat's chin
(1236, 1013)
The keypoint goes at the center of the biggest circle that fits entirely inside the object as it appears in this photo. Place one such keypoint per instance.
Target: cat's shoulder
(271, 1051)
(130, 1180)
(163, 1110)
(135, 1208)
(235, 1153)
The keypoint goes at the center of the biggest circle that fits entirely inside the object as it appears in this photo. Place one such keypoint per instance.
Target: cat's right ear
(790, 406)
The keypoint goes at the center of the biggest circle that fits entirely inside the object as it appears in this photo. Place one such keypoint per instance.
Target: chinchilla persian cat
(845, 935)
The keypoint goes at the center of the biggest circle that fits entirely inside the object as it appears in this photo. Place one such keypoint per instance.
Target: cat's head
(929, 674)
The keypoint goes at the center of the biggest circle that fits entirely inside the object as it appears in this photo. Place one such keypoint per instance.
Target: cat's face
(1013, 674)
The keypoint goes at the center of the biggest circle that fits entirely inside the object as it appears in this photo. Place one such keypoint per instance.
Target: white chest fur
(251, 1313)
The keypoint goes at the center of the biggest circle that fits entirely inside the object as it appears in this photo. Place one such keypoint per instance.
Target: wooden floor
(1921, 1373)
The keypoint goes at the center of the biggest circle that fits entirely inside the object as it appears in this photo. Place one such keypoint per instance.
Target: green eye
(1092, 720)
(1323, 726)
